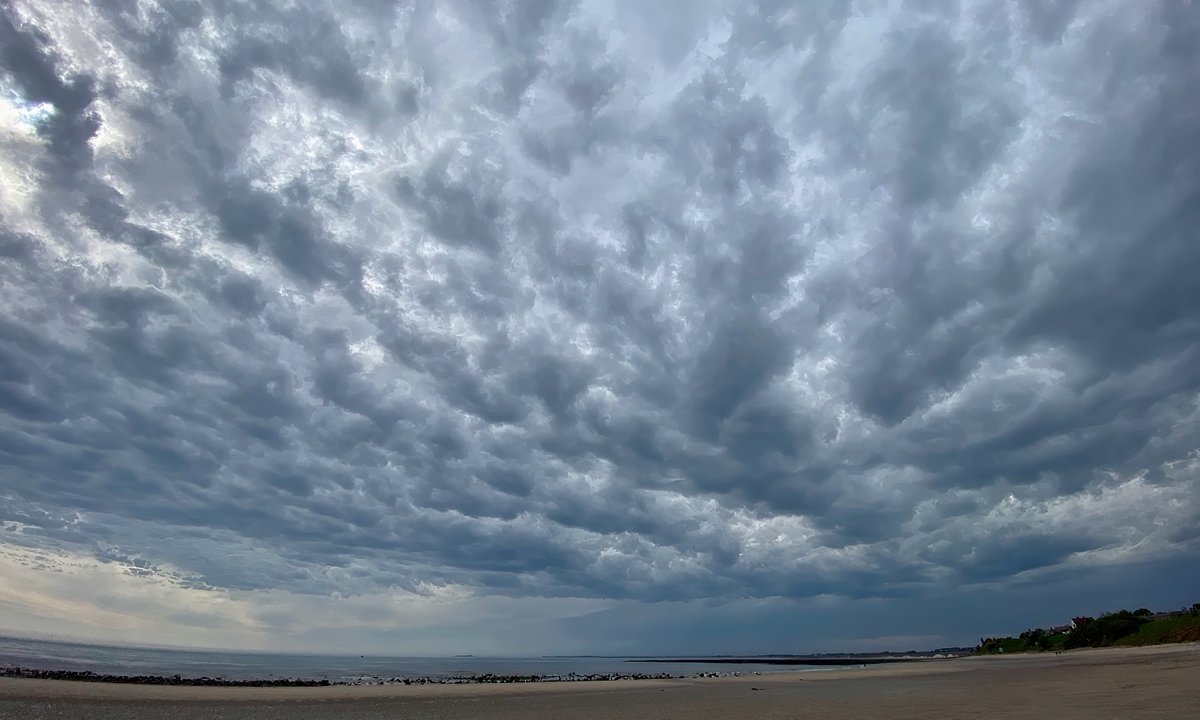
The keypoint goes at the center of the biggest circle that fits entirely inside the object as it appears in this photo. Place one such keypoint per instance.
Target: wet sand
(1155, 682)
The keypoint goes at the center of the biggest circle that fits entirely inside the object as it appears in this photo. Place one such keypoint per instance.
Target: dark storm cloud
(592, 301)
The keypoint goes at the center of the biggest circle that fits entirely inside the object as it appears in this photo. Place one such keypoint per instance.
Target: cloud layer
(600, 301)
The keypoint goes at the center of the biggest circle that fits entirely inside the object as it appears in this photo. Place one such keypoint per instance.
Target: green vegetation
(1185, 628)
(1036, 640)
(1122, 628)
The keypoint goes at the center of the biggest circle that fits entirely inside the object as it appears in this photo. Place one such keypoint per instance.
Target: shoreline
(823, 662)
(825, 667)
(88, 676)
(956, 673)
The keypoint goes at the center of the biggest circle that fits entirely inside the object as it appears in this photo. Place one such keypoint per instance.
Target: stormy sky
(596, 326)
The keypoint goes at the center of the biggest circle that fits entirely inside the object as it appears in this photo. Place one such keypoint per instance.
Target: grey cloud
(290, 234)
(953, 117)
(775, 304)
(453, 210)
(726, 138)
(313, 52)
(1050, 19)
(739, 362)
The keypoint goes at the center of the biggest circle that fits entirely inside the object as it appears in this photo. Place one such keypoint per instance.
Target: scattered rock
(488, 678)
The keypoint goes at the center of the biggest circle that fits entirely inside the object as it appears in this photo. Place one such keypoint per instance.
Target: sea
(239, 665)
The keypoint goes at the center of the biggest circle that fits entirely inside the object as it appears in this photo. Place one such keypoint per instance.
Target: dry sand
(1155, 682)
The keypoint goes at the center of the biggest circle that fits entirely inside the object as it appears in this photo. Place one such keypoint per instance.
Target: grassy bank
(1164, 630)
(1117, 629)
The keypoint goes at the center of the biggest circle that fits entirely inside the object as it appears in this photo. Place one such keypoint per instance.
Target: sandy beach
(1154, 682)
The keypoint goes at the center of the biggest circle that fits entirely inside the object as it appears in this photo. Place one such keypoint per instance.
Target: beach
(1148, 682)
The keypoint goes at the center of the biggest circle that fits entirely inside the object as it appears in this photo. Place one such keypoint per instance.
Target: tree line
(1101, 631)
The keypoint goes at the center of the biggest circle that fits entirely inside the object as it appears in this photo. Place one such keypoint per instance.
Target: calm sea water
(45, 655)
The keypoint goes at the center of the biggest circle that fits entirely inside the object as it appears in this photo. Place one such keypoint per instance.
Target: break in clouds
(613, 301)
